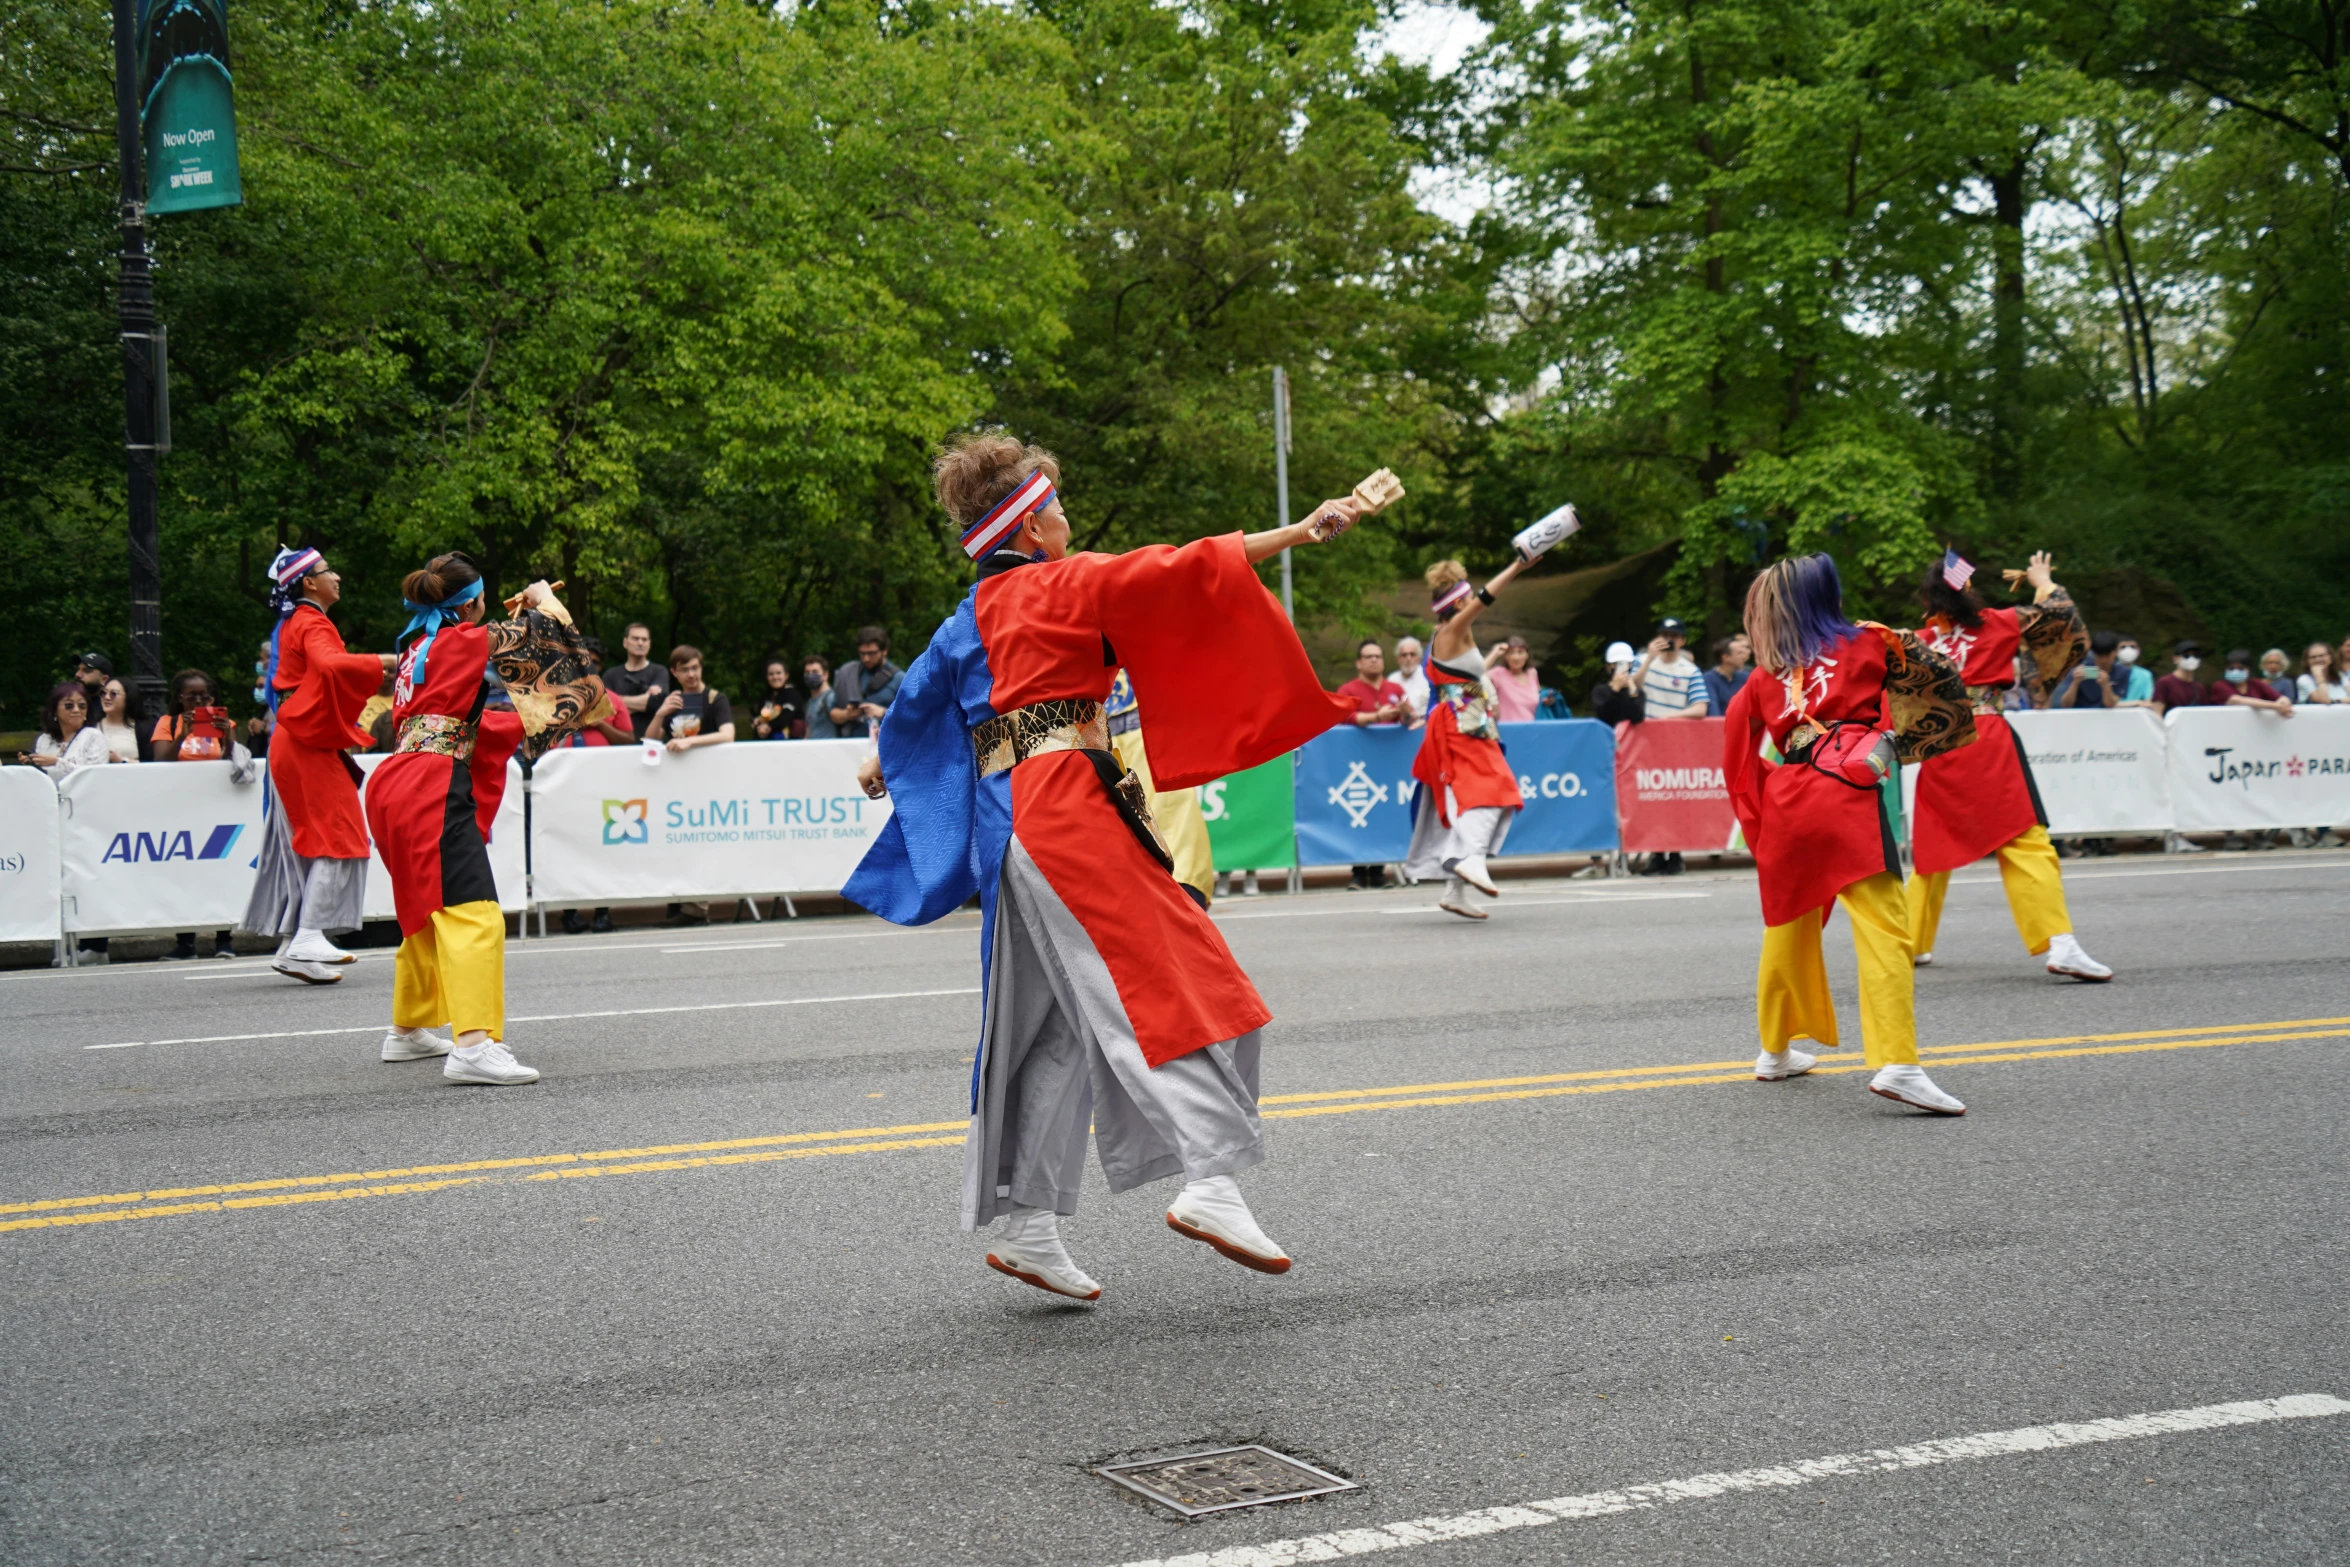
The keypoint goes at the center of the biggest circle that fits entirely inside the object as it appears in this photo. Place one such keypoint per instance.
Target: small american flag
(1956, 570)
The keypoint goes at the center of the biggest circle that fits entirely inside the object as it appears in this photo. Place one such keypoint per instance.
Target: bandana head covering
(1450, 596)
(1956, 570)
(285, 593)
(1034, 494)
(429, 618)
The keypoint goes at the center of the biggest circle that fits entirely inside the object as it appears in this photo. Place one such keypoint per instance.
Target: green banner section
(187, 106)
(1252, 818)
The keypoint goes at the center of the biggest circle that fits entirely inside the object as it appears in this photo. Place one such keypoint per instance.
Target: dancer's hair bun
(975, 470)
(443, 576)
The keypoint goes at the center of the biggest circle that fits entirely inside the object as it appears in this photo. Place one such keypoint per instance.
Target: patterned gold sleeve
(1925, 701)
(2054, 635)
(545, 668)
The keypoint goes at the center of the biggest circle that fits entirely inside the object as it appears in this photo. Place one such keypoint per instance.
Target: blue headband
(429, 618)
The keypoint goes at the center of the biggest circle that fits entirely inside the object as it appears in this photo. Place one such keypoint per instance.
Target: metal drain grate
(1223, 1478)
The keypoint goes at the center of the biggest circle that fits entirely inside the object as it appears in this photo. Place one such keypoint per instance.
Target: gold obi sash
(1063, 724)
(439, 734)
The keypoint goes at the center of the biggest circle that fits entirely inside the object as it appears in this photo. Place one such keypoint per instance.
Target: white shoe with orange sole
(1773, 1066)
(1212, 1210)
(1910, 1085)
(1030, 1250)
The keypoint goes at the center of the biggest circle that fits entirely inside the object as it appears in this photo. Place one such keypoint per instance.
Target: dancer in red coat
(467, 697)
(1468, 792)
(313, 871)
(1982, 800)
(1830, 713)
(1112, 1005)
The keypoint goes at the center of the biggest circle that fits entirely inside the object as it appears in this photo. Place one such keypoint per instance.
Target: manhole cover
(1224, 1477)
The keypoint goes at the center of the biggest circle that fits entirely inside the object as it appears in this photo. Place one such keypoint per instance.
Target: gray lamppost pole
(1281, 479)
(139, 360)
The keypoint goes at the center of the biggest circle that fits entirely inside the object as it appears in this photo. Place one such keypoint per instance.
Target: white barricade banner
(509, 855)
(2233, 768)
(29, 855)
(2099, 771)
(164, 846)
(740, 820)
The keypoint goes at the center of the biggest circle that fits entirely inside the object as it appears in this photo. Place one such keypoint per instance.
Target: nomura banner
(187, 106)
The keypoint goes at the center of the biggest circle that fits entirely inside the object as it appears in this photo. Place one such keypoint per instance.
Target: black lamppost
(141, 362)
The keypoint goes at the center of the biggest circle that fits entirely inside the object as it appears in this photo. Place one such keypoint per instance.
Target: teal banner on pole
(187, 106)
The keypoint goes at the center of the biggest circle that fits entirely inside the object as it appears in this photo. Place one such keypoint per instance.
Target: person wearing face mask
(1981, 800)
(2239, 687)
(2180, 688)
(816, 675)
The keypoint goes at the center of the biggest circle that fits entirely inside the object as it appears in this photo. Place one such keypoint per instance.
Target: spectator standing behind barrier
(779, 715)
(694, 714)
(186, 733)
(816, 676)
(1412, 678)
(1732, 655)
(2319, 684)
(94, 670)
(2131, 676)
(1617, 699)
(114, 722)
(1671, 685)
(2180, 688)
(69, 741)
(2096, 681)
(862, 691)
(2236, 687)
(1517, 688)
(639, 685)
(1377, 700)
(2277, 670)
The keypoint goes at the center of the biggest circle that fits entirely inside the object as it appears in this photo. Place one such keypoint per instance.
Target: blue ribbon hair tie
(429, 618)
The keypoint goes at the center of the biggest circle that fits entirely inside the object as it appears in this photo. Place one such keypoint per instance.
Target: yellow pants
(1791, 998)
(2035, 894)
(454, 971)
(1178, 816)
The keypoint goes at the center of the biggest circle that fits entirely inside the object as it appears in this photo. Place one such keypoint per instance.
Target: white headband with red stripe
(1034, 494)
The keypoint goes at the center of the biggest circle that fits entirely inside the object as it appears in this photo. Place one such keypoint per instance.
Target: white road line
(1507, 902)
(1599, 1504)
(555, 1017)
(1639, 896)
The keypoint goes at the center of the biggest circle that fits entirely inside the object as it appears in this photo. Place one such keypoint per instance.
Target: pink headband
(1450, 596)
(1034, 494)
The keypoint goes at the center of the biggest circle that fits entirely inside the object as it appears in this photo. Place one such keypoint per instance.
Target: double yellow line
(181, 1201)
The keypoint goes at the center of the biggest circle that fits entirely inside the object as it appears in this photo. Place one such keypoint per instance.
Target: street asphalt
(652, 1309)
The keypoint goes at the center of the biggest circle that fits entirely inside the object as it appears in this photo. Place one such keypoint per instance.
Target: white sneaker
(1771, 1066)
(85, 958)
(2066, 957)
(1030, 1250)
(307, 973)
(1250, 889)
(1922, 960)
(2180, 843)
(413, 1044)
(311, 946)
(488, 1062)
(1212, 1210)
(1472, 870)
(1911, 1086)
(1456, 900)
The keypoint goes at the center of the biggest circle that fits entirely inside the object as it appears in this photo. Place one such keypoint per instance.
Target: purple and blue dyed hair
(1795, 612)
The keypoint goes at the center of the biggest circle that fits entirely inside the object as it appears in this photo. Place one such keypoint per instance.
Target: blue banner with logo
(1355, 792)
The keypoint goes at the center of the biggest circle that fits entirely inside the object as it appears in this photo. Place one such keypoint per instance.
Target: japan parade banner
(158, 847)
(1671, 794)
(1249, 818)
(2099, 771)
(2233, 768)
(741, 820)
(1356, 793)
(29, 855)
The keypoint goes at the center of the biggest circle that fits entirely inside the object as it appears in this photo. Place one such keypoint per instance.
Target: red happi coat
(1227, 686)
(324, 687)
(1972, 801)
(430, 810)
(1812, 836)
(1473, 766)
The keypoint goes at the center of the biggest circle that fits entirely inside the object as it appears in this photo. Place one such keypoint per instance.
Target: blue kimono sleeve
(921, 866)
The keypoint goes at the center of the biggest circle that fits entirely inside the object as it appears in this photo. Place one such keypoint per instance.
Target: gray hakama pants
(1436, 848)
(292, 893)
(1061, 1058)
